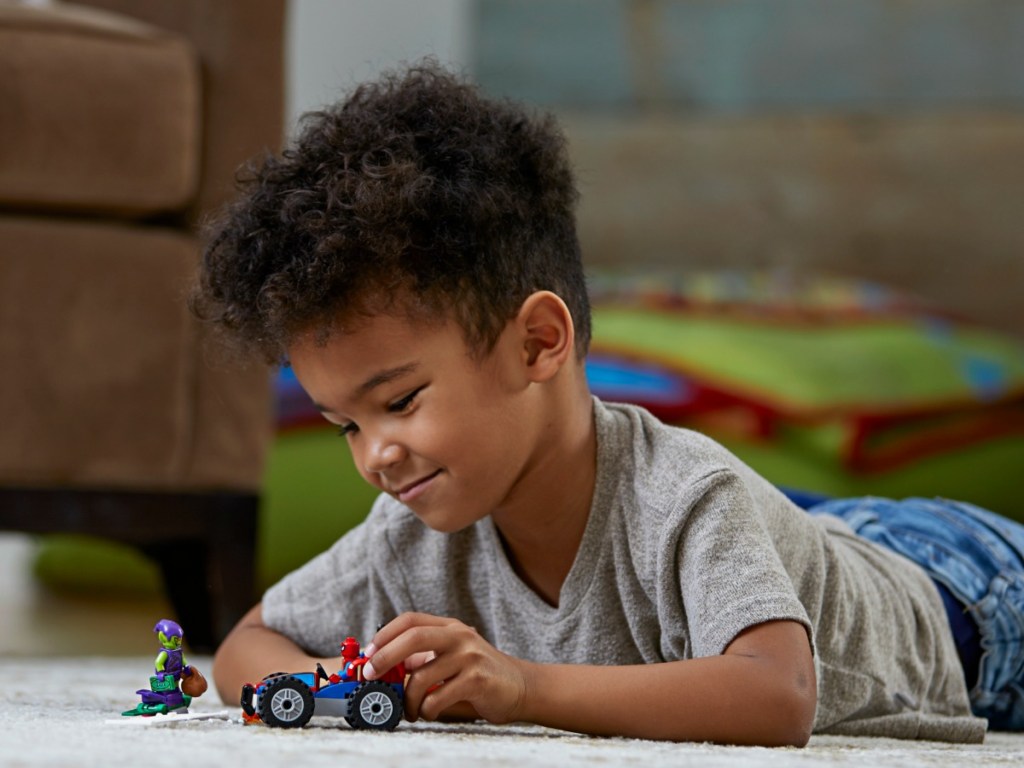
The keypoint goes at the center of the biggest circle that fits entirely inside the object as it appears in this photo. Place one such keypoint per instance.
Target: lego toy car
(284, 700)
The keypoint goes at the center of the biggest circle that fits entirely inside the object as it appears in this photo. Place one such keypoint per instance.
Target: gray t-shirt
(685, 548)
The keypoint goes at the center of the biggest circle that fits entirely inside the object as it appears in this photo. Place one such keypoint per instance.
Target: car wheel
(376, 706)
(286, 703)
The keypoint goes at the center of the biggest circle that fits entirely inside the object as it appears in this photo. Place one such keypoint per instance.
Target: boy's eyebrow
(374, 381)
(383, 377)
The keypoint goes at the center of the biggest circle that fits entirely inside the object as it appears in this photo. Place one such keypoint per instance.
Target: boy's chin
(443, 523)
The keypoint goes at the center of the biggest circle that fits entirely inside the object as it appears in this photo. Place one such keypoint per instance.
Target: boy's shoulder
(630, 437)
(659, 470)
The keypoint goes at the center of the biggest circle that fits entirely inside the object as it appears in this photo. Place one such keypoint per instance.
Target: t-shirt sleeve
(729, 571)
(350, 589)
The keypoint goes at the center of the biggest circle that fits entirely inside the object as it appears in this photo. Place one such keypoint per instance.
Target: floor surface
(39, 622)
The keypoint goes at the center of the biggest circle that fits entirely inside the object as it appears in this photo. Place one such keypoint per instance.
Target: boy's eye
(400, 405)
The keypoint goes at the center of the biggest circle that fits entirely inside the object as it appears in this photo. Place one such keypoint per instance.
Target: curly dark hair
(415, 194)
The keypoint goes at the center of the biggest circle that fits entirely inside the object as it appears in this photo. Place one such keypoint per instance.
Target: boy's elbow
(784, 712)
(221, 684)
(225, 676)
(776, 683)
(797, 708)
(798, 732)
(233, 659)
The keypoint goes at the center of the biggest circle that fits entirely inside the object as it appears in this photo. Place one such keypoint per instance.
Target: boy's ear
(548, 334)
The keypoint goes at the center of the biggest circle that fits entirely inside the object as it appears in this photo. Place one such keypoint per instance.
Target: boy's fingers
(433, 674)
(397, 626)
(438, 698)
(432, 689)
(415, 640)
(417, 660)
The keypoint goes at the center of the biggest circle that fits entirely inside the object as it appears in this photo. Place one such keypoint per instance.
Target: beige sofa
(122, 123)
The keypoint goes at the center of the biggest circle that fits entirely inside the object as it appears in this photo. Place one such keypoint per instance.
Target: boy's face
(448, 435)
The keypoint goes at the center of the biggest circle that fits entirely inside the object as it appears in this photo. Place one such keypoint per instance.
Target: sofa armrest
(241, 51)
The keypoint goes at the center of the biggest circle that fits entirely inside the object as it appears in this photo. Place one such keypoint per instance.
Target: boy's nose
(383, 454)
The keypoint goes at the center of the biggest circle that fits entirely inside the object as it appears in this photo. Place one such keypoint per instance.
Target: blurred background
(801, 218)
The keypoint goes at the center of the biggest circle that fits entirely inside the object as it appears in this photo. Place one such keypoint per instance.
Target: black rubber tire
(375, 706)
(286, 702)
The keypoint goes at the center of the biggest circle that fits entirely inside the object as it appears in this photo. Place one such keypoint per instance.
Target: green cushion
(828, 385)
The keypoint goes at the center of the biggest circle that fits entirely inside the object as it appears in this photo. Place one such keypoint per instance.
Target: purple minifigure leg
(172, 699)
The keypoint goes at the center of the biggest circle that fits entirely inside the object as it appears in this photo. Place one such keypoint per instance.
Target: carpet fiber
(63, 712)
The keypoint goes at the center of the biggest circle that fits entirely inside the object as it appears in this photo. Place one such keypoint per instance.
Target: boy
(537, 555)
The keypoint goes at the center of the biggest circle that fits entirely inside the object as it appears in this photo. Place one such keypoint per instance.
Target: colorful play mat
(826, 385)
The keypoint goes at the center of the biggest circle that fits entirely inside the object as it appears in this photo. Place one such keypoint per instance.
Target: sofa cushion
(100, 113)
(98, 383)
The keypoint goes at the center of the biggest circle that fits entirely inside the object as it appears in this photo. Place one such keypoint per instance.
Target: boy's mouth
(408, 492)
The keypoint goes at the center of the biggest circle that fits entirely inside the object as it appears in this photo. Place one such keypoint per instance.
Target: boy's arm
(762, 690)
(251, 651)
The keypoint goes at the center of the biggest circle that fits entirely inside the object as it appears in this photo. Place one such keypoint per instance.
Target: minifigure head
(169, 633)
(350, 649)
(415, 197)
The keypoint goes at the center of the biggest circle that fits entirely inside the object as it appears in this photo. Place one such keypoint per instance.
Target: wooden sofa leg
(231, 560)
(183, 565)
(209, 577)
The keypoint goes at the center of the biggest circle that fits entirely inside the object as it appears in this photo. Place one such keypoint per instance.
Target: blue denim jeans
(978, 557)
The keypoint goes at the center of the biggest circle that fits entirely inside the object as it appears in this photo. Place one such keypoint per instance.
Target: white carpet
(66, 712)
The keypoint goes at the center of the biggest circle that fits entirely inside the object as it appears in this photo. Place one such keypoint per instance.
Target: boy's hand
(448, 663)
